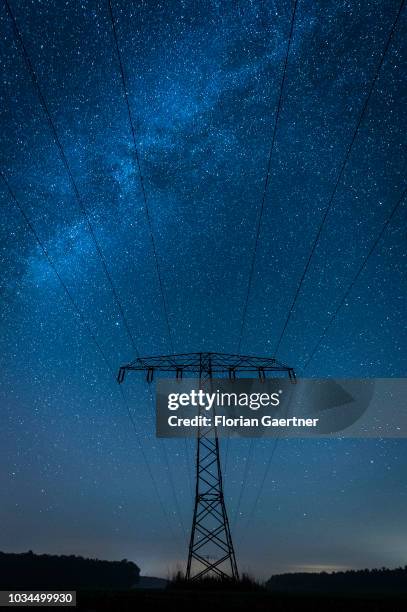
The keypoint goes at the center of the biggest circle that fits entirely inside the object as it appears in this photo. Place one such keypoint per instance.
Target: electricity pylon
(211, 549)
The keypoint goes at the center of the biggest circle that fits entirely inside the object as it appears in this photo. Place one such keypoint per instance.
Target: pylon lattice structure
(211, 549)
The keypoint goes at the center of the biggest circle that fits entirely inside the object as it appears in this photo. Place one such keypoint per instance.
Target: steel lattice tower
(211, 549)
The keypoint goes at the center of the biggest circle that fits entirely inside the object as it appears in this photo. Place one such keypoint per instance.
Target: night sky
(203, 84)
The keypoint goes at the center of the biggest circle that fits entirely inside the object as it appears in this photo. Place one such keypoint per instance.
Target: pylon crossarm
(209, 363)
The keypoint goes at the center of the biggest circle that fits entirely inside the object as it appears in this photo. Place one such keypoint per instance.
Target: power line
(267, 179)
(74, 186)
(263, 481)
(170, 477)
(51, 263)
(150, 228)
(252, 512)
(89, 330)
(339, 177)
(189, 466)
(174, 493)
(146, 207)
(355, 278)
(333, 317)
(244, 481)
(57, 141)
(251, 515)
(147, 463)
(257, 236)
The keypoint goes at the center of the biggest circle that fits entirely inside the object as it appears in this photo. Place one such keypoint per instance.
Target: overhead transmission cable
(267, 178)
(74, 186)
(143, 190)
(333, 317)
(102, 353)
(253, 509)
(355, 278)
(339, 175)
(78, 197)
(244, 481)
(347, 155)
(148, 218)
(257, 232)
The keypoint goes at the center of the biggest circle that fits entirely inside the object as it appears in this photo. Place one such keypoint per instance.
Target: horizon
(315, 569)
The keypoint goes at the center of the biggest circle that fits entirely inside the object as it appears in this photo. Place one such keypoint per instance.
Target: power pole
(211, 549)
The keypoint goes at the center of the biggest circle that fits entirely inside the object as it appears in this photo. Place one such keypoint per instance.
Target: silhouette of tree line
(381, 580)
(29, 571)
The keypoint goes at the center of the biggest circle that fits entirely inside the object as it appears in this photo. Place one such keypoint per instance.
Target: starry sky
(203, 82)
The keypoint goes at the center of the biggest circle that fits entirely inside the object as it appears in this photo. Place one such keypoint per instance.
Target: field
(214, 600)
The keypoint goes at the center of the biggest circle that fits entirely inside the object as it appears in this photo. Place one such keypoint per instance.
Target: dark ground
(195, 601)
(117, 586)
